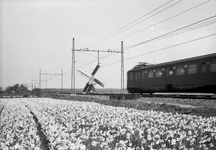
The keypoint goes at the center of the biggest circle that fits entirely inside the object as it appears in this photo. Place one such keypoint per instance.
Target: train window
(158, 73)
(143, 74)
(180, 70)
(137, 75)
(151, 74)
(204, 67)
(169, 72)
(192, 69)
(213, 66)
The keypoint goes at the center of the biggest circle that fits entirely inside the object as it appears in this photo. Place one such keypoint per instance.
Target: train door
(137, 79)
(169, 80)
(130, 79)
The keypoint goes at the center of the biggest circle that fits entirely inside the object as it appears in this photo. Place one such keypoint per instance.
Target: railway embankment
(199, 107)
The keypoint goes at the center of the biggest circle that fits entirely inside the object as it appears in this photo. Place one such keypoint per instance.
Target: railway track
(182, 95)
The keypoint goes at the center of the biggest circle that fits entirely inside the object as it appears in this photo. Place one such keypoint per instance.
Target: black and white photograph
(107, 74)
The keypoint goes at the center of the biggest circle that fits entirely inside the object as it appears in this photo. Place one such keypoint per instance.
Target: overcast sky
(37, 34)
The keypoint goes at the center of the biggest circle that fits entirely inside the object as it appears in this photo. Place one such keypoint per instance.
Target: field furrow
(43, 139)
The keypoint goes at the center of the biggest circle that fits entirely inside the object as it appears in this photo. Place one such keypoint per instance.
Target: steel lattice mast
(73, 92)
(122, 68)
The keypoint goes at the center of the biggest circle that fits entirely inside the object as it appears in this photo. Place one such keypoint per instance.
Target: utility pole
(73, 90)
(40, 78)
(61, 80)
(122, 68)
(31, 83)
(45, 81)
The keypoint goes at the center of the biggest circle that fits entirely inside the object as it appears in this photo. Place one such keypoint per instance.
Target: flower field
(44, 123)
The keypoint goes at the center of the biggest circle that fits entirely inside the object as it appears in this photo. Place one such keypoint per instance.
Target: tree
(1, 90)
(36, 92)
(12, 89)
(22, 89)
(16, 87)
(8, 90)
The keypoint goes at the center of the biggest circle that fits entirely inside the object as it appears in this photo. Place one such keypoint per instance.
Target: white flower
(82, 147)
(189, 132)
(94, 143)
(173, 142)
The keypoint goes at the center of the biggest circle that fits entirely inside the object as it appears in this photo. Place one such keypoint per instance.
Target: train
(195, 74)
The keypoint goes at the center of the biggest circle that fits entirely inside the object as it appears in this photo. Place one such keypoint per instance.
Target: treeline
(16, 89)
(20, 90)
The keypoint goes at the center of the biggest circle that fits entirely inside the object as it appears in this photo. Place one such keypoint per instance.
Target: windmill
(89, 88)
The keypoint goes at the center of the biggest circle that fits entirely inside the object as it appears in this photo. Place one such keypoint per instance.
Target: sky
(37, 34)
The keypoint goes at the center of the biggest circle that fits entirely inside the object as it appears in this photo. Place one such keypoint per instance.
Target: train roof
(140, 66)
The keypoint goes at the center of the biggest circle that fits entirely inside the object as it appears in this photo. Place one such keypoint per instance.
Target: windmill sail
(86, 87)
(98, 82)
(89, 87)
(84, 74)
(95, 70)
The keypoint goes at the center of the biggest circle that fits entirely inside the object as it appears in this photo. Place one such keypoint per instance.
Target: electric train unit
(197, 74)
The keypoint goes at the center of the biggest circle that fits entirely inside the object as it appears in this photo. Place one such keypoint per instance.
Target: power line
(169, 33)
(51, 74)
(62, 64)
(123, 28)
(142, 20)
(161, 21)
(175, 45)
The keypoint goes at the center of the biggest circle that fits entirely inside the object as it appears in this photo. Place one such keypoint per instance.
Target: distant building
(22, 89)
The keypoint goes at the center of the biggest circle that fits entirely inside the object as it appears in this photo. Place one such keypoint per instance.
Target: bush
(36, 92)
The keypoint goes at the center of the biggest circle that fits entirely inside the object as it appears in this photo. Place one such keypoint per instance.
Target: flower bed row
(17, 126)
(89, 125)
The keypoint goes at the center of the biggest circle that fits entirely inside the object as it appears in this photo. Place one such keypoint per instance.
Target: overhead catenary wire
(167, 19)
(186, 28)
(175, 45)
(142, 20)
(190, 27)
(130, 24)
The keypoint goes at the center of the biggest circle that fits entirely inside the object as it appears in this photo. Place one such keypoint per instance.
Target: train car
(196, 74)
